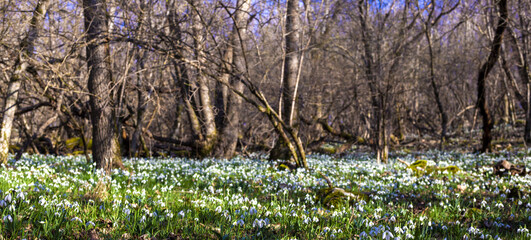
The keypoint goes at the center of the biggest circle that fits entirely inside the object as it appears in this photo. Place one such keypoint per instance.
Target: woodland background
(215, 78)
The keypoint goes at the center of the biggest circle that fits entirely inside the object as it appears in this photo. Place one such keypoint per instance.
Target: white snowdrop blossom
(387, 235)
(8, 218)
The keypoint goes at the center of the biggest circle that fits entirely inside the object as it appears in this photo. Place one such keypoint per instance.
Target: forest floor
(451, 195)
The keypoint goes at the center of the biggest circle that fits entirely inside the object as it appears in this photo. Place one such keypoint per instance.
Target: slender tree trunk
(377, 122)
(435, 88)
(21, 64)
(290, 78)
(181, 77)
(222, 91)
(105, 148)
(205, 107)
(482, 104)
(141, 105)
(231, 125)
(291, 65)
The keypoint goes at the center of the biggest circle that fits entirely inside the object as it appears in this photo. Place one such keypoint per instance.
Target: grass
(46, 197)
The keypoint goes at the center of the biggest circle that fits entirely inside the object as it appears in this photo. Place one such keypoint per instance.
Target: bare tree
(19, 72)
(230, 128)
(482, 104)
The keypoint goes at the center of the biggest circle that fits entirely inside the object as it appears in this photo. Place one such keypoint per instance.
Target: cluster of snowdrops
(48, 197)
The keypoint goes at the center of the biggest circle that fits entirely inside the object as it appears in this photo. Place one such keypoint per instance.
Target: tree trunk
(231, 124)
(290, 78)
(26, 47)
(135, 149)
(525, 76)
(105, 147)
(291, 65)
(378, 138)
(222, 91)
(205, 106)
(181, 78)
(436, 90)
(482, 104)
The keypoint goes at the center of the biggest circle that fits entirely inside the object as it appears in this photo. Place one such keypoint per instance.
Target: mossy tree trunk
(288, 113)
(204, 107)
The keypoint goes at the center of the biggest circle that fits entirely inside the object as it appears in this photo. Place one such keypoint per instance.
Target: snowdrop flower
(181, 213)
(8, 218)
(315, 219)
(90, 223)
(387, 235)
(218, 209)
(239, 222)
(399, 230)
(473, 230)
(76, 219)
(409, 236)
(21, 195)
(8, 197)
(392, 219)
(259, 223)
(522, 229)
(252, 211)
(3, 203)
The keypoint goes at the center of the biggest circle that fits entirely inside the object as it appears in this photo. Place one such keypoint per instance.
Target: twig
(402, 161)
(327, 179)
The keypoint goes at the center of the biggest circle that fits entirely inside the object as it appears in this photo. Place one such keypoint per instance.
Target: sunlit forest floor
(450, 195)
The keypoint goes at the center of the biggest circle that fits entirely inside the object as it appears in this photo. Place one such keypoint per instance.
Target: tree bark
(291, 64)
(26, 47)
(435, 88)
(205, 107)
(105, 147)
(482, 104)
(290, 78)
(525, 76)
(377, 122)
(182, 78)
(230, 130)
(135, 150)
